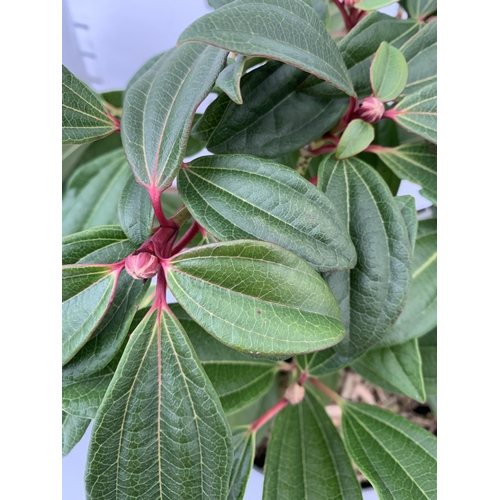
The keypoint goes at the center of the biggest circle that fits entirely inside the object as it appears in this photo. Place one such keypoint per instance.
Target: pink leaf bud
(142, 266)
(371, 110)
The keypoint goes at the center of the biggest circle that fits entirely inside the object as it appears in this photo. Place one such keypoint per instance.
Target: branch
(268, 415)
(188, 236)
(345, 16)
(325, 390)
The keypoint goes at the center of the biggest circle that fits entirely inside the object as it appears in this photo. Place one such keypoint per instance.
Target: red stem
(314, 180)
(268, 415)
(345, 16)
(187, 238)
(391, 113)
(160, 301)
(323, 149)
(350, 110)
(155, 196)
(115, 121)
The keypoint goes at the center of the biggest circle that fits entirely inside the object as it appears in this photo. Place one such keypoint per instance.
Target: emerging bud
(294, 394)
(371, 110)
(142, 266)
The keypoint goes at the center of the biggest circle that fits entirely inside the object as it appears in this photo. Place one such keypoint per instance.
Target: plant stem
(345, 16)
(268, 415)
(181, 216)
(155, 196)
(186, 238)
(324, 149)
(391, 113)
(160, 301)
(374, 148)
(325, 390)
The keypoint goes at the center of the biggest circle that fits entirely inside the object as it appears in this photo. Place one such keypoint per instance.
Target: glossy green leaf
(358, 48)
(417, 113)
(286, 30)
(84, 117)
(82, 398)
(99, 245)
(356, 138)
(420, 52)
(86, 294)
(135, 212)
(415, 162)
(306, 457)
(160, 431)
(420, 8)
(395, 368)
(71, 155)
(238, 378)
(73, 429)
(406, 205)
(275, 117)
(420, 312)
(154, 136)
(194, 146)
(93, 193)
(256, 297)
(395, 455)
(372, 295)
(229, 79)
(428, 351)
(239, 197)
(388, 72)
(373, 4)
(244, 451)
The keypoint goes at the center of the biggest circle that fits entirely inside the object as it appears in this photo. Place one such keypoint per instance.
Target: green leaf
(373, 4)
(155, 137)
(415, 162)
(84, 117)
(99, 245)
(71, 155)
(420, 312)
(73, 429)
(111, 332)
(114, 97)
(244, 451)
(239, 379)
(103, 245)
(82, 398)
(218, 3)
(93, 193)
(372, 295)
(86, 294)
(388, 73)
(396, 369)
(358, 48)
(306, 457)
(406, 205)
(428, 351)
(420, 8)
(160, 431)
(321, 8)
(420, 52)
(395, 455)
(135, 211)
(194, 146)
(256, 297)
(240, 197)
(275, 117)
(417, 113)
(286, 30)
(229, 79)
(356, 138)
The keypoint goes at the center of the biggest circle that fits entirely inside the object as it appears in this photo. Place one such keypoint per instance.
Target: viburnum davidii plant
(290, 256)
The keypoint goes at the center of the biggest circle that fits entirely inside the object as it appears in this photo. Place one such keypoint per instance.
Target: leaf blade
(234, 197)
(192, 440)
(243, 27)
(388, 73)
(356, 138)
(256, 297)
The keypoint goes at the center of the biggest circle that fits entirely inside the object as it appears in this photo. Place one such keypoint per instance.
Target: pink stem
(373, 148)
(323, 149)
(115, 121)
(160, 301)
(391, 113)
(186, 238)
(268, 415)
(155, 196)
(324, 389)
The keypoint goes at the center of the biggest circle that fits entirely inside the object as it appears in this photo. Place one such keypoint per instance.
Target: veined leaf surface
(155, 136)
(388, 72)
(73, 429)
(244, 451)
(286, 30)
(357, 136)
(239, 196)
(160, 431)
(256, 297)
